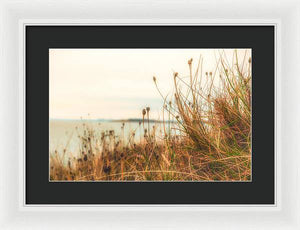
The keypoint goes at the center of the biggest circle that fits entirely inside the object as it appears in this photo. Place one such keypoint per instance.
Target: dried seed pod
(107, 169)
(85, 157)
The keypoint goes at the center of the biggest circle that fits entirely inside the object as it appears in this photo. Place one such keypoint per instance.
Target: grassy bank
(209, 140)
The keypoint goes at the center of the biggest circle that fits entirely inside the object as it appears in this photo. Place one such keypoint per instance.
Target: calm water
(64, 133)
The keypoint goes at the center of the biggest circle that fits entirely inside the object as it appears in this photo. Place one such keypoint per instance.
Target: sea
(65, 134)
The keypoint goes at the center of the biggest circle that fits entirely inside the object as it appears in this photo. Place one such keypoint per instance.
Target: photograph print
(150, 115)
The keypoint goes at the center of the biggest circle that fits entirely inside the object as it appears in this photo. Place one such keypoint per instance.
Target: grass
(209, 140)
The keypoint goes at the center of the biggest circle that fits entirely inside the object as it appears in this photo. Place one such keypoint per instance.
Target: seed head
(175, 74)
(107, 169)
(190, 61)
(210, 73)
(144, 112)
(249, 60)
(154, 78)
(85, 157)
(148, 109)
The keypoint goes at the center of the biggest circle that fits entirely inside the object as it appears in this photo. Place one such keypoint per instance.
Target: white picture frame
(14, 214)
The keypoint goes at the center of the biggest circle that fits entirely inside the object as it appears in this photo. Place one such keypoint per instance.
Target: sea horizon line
(109, 120)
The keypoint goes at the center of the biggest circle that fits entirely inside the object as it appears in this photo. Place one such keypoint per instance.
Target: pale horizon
(116, 84)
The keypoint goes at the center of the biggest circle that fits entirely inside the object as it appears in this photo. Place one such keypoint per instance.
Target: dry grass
(210, 139)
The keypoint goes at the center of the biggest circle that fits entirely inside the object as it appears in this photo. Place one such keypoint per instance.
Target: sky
(118, 83)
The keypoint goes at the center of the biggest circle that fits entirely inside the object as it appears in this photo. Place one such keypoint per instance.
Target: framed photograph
(156, 123)
(118, 107)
